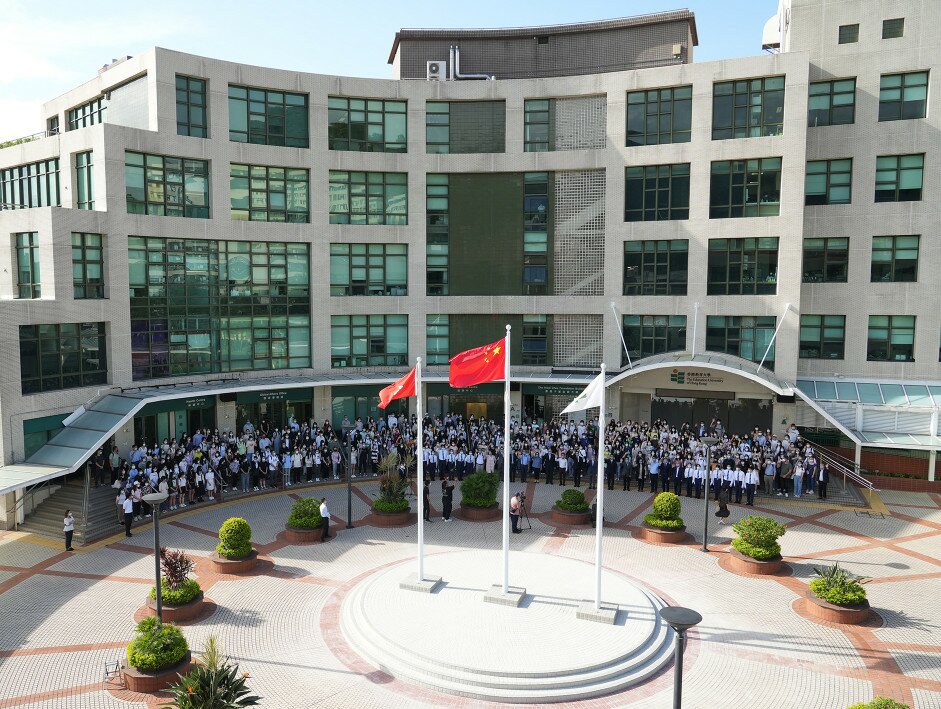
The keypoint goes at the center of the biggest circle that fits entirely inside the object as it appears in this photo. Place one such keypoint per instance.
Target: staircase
(46, 519)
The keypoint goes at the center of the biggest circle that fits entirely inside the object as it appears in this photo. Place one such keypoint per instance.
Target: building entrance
(736, 415)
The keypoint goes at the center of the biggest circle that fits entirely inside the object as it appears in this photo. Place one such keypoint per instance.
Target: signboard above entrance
(696, 378)
(258, 397)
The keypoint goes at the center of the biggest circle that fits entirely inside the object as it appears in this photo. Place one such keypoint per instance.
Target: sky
(49, 47)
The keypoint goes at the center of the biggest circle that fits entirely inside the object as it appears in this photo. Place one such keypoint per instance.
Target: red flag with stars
(481, 364)
(399, 389)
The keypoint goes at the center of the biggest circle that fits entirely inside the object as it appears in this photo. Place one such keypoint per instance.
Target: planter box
(571, 519)
(221, 565)
(178, 614)
(392, 519)
(742, 564)
(151, 682)
(832, 613)
(296, 535)
(664, 536)
(480, 514)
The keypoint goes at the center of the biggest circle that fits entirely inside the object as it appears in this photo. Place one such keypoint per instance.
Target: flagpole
(420, 467)
(506, 462)
(599, 509)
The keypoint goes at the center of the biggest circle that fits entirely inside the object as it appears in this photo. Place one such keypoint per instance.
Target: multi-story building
(200, 243)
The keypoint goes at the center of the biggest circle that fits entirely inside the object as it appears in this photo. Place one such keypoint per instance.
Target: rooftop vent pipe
(456, 62)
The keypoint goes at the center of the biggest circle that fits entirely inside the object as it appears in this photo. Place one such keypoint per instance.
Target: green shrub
(156, 646)
(837, 585)
(176, 566)
(184, 593)
(660, 523)
(480, 490)
(666, 505)
(386, 506)
(572, 501)
(235, 539)
(305, 514)
(880, 703)
(757, 553)
(215, 682)
(758, 537)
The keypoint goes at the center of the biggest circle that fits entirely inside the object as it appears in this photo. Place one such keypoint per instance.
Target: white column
(420, 468)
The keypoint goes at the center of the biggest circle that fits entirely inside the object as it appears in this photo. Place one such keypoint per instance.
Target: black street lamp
(347, 451)
(680, 619)
(155, 499)
(709, 441)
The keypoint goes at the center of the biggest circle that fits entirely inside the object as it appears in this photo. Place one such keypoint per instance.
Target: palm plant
(215, 683)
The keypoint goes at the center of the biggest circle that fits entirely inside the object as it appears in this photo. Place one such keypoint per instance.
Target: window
(436, 234)
(87, 114)
(191, 118)
(656, 267)
(891, 338)
(743, 266)
(537, 122)
(368, 340)
(535, 340)
(201, 306)
(27, 264)
(465, 127)
(656, 193)
(62, 356)
(166, 186)
(743, 336)
(269, 194)
(84, 181)
(903, 96)
(894, 28)
(832, 103)
(368, 197)
(659, 116)
(822, 336)
(894, 259)
(828, 182)
(536, 233)
(367, 125)
(899, 178)
(748, 108)
(268, 117)
(32, 185)
(88, 280)
(368, 269)
(437, 332)
(745, 188)
(647, 335)
(826, 260)
(848, 34)
(52, 126)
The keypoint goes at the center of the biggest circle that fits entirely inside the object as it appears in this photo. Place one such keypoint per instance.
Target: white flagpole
(787, 307)
(506, 463)
(599, 514)
(420, 466)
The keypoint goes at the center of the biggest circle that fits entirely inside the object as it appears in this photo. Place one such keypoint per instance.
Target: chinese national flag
(481, 364)
(399, 389)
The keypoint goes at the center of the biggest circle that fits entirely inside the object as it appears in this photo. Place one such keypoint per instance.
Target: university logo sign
(678, 376)
(695, 378)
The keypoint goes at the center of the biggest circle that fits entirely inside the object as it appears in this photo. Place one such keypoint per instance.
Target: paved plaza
(63, 615)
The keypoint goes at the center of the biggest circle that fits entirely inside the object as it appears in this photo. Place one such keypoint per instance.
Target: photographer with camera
(516, 503)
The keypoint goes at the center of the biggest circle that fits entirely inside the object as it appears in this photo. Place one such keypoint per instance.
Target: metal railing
(840, 465)
(27, 138)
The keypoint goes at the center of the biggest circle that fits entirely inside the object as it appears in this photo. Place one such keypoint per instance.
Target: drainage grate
(871, 515)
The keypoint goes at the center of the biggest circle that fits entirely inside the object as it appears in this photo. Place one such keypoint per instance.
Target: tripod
(524, 515)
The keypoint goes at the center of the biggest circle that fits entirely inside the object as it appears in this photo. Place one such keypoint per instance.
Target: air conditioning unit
(436, 70)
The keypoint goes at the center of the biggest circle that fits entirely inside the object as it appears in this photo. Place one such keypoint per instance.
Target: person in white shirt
(325, 515)
(68, 526)
(211, 484)
(128, 507)
(739, 481)
(751, 482)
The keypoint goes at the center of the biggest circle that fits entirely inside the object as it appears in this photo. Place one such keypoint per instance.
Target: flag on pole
(481, 364)
(593, 395)
(399, 389)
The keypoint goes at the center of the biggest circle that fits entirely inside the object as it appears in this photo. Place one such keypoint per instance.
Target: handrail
(27, 138)
(833, 460)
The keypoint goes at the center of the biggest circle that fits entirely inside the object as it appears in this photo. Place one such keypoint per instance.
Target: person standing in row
(325, 515)
(128, 515)
(426, 495)
(447, 495)
(68, 526)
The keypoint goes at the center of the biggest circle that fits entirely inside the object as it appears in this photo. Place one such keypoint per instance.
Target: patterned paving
(62, 615)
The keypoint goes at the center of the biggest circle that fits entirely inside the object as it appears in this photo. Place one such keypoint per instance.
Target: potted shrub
(234, 553)
(181, 597)
(155, 656)
(214, 682)
(664, 523)
(571, 508)
(880, 703)
(837, 596)
(391, 508)
(756, 549)
(479, 497)
(304, 523)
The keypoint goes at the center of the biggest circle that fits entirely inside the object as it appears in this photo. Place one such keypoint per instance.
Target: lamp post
(347, 451)
(709, 441)
(680, 619)
(155, 499)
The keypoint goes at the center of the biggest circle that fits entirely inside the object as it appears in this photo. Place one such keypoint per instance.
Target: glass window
(535, 340)
(368, 125)
(465, 127)
(826, 260)
(822, 336)
(368, 197)
(895, 259)
(848, 34)
(436, 234)
(828, 182)
(899, 178)
(748, 108)
(537, 125)
(535, 233)
(903, 96)
(268, 117)
(84, 181)
(894, 28)
(744, 336)
(437, 338)
(368, 269)
(656, 193)
(88, 114)
(658, 116)
(166, 186)
(368, 340)
(191, 107)
(27, 264)
(743, 266)
(62, 356)
(269, 194)
(745, 188)
(88, 266)
(891, 338)
(656, 267)
(647, 335)
(32, 185)
(832, 103)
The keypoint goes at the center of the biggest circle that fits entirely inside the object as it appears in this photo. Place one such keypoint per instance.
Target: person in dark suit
(426, 501)
(823, 477)
(447, 495)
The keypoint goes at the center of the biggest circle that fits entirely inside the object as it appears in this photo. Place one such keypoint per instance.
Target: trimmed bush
(156, 646)
(480, 490)
(235, 538)
(666, 512)
(184, 593)
(838, 586)
(880, 703)
(305, 514)
(758, 537)
(386, 506)
(572, 501)
(660, 523)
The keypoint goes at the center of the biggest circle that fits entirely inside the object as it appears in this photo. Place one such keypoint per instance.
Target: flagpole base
(607, 614)
(429, 584)
(513, 596)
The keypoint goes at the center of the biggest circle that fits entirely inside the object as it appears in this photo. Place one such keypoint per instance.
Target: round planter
(480, 514)
(179, 614)
(221, 565)
(739, 563)
(663, 536)
(571, 519)
(832, 613)
(297, 535)
(151, 682)
(392, 519)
